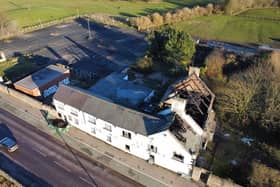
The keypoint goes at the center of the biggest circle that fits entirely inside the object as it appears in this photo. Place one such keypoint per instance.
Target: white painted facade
(53, 88)
(161, 148)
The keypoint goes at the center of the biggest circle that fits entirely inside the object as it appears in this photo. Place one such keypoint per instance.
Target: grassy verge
(15, 68)
(29, 12)
(232, 29)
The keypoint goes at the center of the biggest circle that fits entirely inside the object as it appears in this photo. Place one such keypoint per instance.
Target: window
(127, 147)
(76, 121)
(60, 107)
(151, 159)
(153, 148)
(178, 157)
(93, 131)
(92, 120)
(109, 138)
(74, 112)
(126, 134)
(70, 118)
(108, 127)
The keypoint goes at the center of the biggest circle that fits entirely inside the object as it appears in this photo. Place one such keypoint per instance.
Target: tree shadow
(275, 39)
(5, 132)
(184, 3)
(25, 65)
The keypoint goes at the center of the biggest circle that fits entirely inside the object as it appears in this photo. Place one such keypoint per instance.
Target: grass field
(232, 29)
(29, 12)
(273, 13)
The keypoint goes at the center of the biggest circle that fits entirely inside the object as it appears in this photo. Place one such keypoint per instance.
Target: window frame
(126, 134)
(178, 157)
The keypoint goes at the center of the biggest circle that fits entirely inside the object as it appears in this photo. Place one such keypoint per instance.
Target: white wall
(167, 145)
(165, 142)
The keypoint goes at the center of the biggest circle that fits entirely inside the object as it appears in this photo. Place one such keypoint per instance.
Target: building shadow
(20, 174)
(5, 132)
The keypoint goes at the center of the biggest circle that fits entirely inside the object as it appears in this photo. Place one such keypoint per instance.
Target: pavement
(124, 163)
(49, 162)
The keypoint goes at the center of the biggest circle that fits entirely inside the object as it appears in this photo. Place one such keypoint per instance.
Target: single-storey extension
(43, 82)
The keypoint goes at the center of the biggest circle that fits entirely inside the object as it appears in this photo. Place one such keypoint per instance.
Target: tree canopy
(172, 47)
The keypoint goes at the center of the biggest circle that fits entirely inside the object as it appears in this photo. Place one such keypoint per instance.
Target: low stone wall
(9, 178)
(33, 102)
(211, 180)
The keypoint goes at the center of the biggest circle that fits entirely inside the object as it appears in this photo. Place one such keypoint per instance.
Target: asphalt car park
(110, 48)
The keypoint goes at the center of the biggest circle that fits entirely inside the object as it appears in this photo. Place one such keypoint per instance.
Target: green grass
(12, 69)
(29, 12)
(6, 65)
(273, 13)
(232, 29)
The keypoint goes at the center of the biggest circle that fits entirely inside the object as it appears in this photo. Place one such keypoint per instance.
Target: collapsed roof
(192, 102)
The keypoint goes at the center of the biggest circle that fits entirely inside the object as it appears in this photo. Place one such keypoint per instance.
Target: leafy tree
(172, 47)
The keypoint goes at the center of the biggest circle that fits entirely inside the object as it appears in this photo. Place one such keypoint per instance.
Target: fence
(33, 102)
(205, 176)
(100, 18)
(9, 178)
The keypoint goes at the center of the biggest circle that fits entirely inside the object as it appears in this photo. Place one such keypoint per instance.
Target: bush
(144, 65)
(274, 59)
(155, 20)
(215, 63)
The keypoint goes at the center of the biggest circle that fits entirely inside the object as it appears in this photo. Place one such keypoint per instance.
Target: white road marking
(41, 153)
(60, 165)
(82, 178)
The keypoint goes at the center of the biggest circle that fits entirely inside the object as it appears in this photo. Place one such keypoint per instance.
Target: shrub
(167, 18)
(264, 176)
(215, 63)
(157, 19)
(275, 61)
(144, 65)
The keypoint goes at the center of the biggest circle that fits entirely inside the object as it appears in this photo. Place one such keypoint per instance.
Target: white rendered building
(145, 136)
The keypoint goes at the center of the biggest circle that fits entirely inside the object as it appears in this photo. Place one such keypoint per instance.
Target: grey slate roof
(115, 114)
(41, 77)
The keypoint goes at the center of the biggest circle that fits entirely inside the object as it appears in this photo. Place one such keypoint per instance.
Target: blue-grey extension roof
(115, 114)
(42, 77)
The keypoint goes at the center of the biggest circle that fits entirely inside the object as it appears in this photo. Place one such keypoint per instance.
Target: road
(53, 162)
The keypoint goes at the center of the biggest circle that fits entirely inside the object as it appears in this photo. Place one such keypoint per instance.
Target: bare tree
(238, 97)
(275, 61)
(4, 23)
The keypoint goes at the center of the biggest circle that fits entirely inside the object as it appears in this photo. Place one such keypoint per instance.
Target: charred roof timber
(192, 102)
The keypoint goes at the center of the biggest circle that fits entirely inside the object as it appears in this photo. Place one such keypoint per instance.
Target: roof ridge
(100, 98)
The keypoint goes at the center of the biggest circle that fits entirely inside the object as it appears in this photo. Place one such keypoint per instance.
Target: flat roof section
(41, 77)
